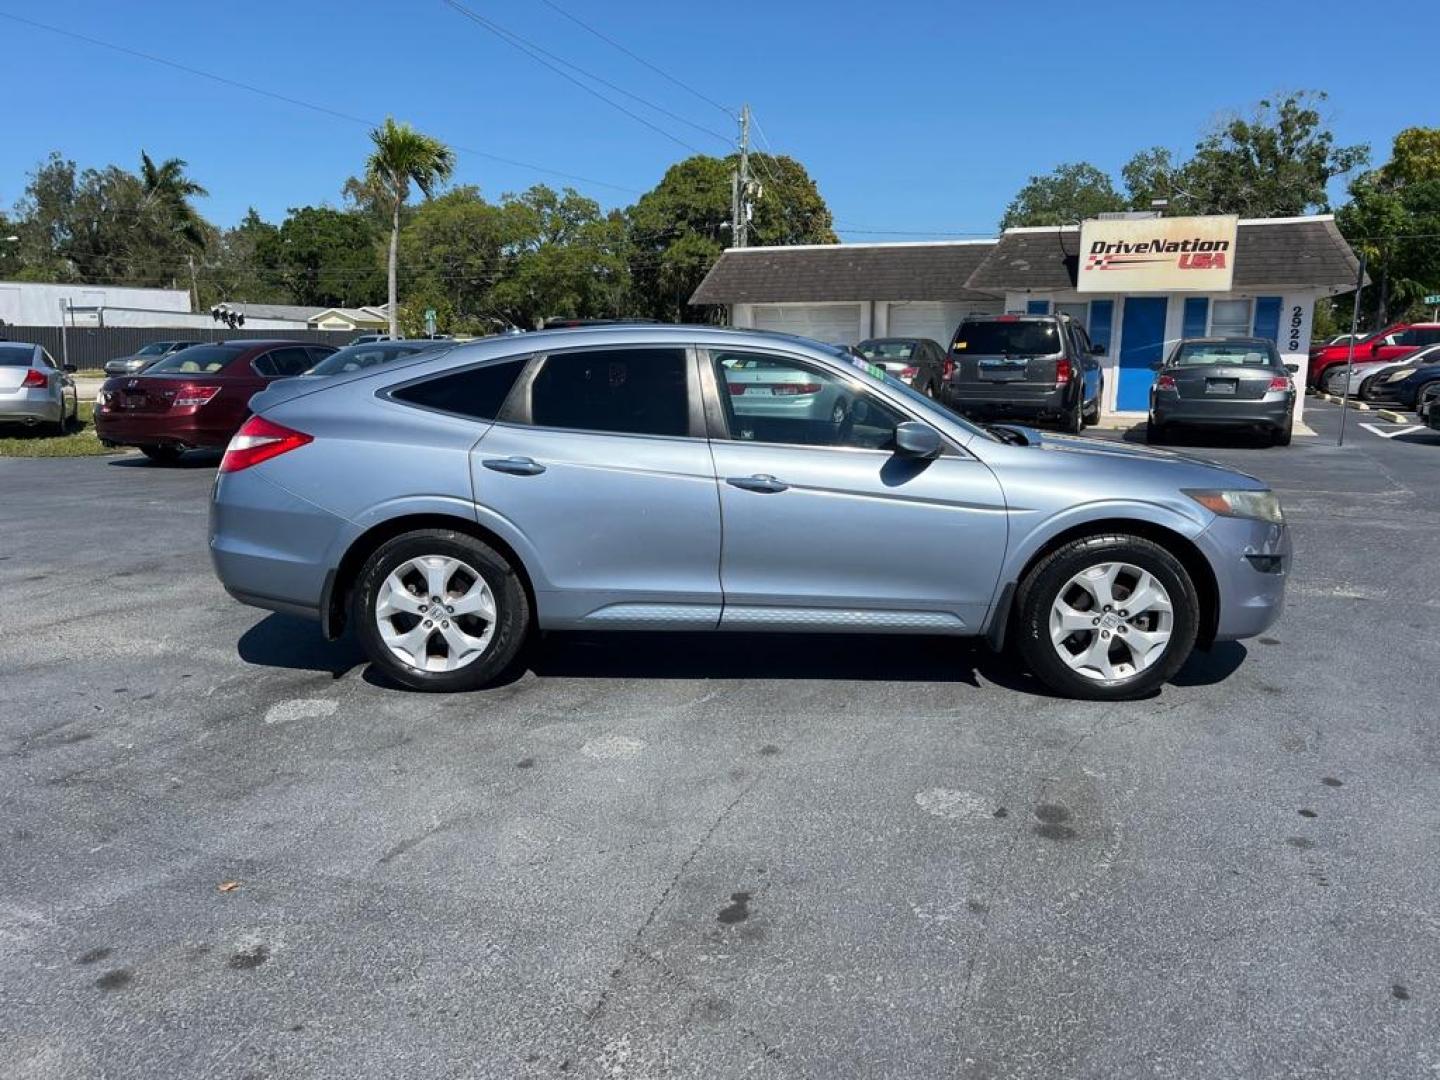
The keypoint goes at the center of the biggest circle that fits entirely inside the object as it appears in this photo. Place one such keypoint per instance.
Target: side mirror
(917, 440)
(1097, 350)
(1294, 369)
(1375, 349)
(70, 369)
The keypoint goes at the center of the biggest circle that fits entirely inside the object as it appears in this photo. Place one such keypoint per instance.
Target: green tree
(233, 269)
(1069, 194)
(679, 228)
(452, 253)
(323, 257)
(403, 156)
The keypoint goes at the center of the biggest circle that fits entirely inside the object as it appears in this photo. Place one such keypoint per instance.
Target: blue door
(1142, 337)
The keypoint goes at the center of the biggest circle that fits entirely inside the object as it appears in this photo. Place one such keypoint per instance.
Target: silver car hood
(1104, 453)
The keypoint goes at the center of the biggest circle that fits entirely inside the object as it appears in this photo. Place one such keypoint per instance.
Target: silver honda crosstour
(648, 477)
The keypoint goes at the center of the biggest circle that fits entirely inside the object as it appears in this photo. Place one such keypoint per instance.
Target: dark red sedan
(197, 397)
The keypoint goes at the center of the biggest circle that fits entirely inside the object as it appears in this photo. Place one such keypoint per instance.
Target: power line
(541, 56)
(287, 99)
(639, 59)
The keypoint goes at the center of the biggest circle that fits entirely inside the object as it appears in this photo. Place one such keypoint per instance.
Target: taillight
(736, 389)
(260, 440)
(1165, 382)
(35, 379)
(909, 373)
(948, 370)
(193, 395)
(1062, 372)
(787, 389)
(1279, 383)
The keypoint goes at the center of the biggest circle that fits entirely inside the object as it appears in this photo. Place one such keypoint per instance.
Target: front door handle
(763, 483)
(515, 466)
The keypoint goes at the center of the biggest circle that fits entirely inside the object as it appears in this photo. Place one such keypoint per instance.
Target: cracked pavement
(729, 856)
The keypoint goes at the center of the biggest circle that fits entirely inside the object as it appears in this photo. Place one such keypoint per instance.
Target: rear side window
(201, 359)
(16, 355)
(477, 393)
(283, 363)
(1018, 337)
(627, 391)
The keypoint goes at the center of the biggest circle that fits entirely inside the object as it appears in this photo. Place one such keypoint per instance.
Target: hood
(1106, 454)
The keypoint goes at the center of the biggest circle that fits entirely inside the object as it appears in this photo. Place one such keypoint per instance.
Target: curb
(1394, 417)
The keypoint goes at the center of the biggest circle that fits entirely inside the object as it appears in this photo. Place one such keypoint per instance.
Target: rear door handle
(763, 483)
(515, 466)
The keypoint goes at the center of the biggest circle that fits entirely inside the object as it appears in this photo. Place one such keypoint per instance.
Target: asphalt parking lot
(227, 849)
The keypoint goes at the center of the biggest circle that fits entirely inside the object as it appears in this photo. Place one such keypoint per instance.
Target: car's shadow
(191, 459)
(1207, 438)
(284, 641)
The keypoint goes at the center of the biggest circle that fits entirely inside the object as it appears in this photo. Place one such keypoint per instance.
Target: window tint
(891, 349)
(283, 363)
(318, 353)
(1017, 337)
(635, 391)
(1199, 353)
(16, 355)
(203, 359)
(779, 400)
(477, 392)
(355, 357)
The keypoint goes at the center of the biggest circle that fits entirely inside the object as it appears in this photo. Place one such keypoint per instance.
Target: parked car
(1425, 404)
(1037, 367)
(369, 339)
(614, 478)
(144, 356)
(1223, 382)
(34, 389)
(1343, 378)
(917, 362)
(1402, 382)
(1387, 344)
(197, 397)
(356, 357)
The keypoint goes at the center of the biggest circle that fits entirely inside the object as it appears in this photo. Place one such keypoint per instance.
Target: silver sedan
(34, 389)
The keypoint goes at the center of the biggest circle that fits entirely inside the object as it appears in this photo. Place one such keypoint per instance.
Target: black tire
(1073, 422)
(162, 455)
(1431, 389)
(512, 609)
(1092, 413)
(1282, 436)
(1041, 587)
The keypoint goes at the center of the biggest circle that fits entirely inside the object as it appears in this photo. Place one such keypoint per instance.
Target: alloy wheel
(435, 613)
(1111, 621)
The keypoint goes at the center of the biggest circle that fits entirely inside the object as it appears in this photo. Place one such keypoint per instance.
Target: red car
(1388, 344)
(197, 397)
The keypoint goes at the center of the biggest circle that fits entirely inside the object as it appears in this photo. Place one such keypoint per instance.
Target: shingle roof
(844, 272)
(1284, 251)
(297, 312)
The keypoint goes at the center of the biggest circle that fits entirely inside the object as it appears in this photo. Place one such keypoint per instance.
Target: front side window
(775, 399)
(634, 391)
(1230, 318)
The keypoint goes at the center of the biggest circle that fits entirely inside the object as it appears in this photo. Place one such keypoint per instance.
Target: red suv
(197, 397)
(1388, 344)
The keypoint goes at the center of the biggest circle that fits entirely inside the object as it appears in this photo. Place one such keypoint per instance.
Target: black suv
(1033, 367)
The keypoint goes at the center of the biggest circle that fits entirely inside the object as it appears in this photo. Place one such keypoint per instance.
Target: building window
(1079, 312)
(1230, 318)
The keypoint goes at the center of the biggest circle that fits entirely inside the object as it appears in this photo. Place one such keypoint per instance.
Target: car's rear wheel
(1073, 422)
(1107, 618)
(1283, 435)
(440, 610)
(162, 455)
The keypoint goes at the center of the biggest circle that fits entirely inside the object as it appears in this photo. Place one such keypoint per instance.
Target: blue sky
(911, 116)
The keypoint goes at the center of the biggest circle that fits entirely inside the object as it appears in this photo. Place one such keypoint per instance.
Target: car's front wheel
(1108, 618)
(440, 610)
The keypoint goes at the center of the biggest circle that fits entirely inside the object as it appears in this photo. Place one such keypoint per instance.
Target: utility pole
(741, 193)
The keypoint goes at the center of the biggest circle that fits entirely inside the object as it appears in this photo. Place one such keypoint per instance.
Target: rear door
(601, 464)
(826, 528)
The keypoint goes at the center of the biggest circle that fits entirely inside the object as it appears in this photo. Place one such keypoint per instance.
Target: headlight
(1260, 505)
(1404, 373)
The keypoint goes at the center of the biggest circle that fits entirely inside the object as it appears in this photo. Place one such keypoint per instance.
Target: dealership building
(1137, 283)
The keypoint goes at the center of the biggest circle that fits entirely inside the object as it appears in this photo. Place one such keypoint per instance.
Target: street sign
(1433, 299)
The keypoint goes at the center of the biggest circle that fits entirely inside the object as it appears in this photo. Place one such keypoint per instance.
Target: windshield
(1200, 353)
(355, 357)
(913, 396)
(1013, 337)
(197, 359)
(16, 355)
(886, 350)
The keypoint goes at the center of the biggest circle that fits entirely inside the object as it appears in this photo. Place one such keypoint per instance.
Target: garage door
(936, 319)
(836, 323)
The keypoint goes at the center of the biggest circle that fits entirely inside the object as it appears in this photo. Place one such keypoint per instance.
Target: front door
(604, 470)
(1142, 341)
(825, 526)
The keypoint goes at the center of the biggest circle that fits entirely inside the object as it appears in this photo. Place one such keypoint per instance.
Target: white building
(848, 292)
(32, 303)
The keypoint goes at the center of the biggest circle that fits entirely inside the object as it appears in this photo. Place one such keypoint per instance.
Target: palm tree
(403, 156)
(169, 191)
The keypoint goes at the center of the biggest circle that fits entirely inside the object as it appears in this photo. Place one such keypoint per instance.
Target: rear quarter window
(477, 393)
